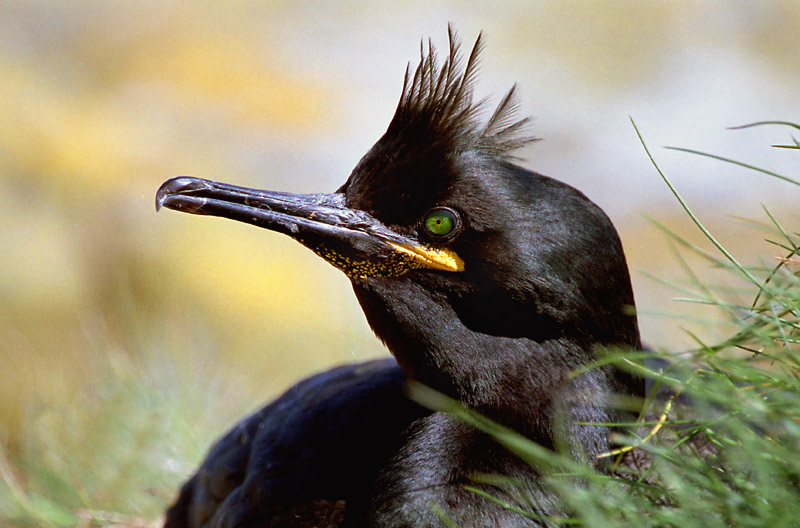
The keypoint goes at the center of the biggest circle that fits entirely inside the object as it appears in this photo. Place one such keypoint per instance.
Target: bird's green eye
(441, 222)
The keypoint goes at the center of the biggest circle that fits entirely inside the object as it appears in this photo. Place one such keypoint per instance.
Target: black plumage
(486, 281)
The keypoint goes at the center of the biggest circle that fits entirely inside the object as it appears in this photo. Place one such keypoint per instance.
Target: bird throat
(400, 261)
(396, 265)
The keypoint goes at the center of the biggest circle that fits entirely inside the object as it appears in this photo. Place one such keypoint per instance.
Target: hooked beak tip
(176, 186)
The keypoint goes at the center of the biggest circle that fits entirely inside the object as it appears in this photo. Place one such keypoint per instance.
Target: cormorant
(488, 282)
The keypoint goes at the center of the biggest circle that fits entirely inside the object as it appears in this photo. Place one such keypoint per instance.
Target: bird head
(474, 271)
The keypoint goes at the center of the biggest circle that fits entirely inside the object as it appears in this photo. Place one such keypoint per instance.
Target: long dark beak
(351, 240)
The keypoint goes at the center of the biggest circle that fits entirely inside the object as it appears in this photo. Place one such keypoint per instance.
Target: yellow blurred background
(102, 101)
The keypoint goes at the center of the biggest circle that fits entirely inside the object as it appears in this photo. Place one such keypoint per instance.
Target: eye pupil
(440, 222)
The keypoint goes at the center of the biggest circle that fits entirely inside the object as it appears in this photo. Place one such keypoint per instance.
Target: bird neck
(521, 382)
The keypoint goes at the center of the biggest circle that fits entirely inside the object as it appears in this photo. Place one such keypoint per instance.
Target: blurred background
(130, 339)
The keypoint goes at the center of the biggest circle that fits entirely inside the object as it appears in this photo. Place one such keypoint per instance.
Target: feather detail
(437, 100)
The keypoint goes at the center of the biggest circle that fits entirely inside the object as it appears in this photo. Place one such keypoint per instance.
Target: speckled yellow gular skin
(405, 259)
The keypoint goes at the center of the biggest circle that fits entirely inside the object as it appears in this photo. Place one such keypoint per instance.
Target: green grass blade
(735, 162)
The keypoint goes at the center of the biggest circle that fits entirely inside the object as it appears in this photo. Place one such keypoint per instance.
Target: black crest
(438, 99)
(436, 121)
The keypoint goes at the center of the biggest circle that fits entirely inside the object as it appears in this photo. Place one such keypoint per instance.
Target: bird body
(487, 282)
(304, 457)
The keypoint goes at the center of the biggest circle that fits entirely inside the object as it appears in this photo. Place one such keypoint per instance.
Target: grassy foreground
(115, 451)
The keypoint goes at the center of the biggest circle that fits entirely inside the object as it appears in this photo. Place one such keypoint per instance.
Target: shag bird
(487, 282)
